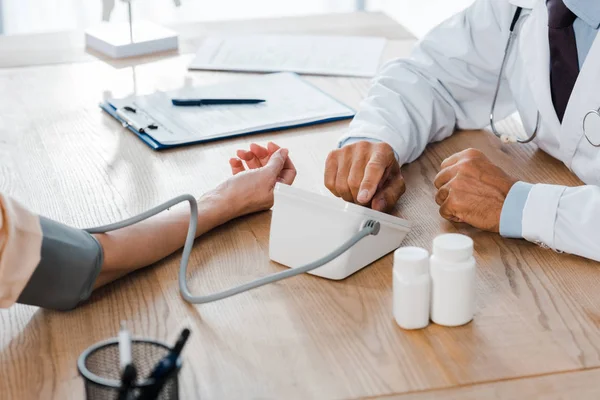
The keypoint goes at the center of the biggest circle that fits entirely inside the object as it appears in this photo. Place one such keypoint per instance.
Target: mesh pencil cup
(99, 367)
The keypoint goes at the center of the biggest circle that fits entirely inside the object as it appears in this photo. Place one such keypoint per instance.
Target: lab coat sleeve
(447, 83)
(564, 218)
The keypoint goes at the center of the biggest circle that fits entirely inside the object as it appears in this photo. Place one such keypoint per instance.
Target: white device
(309, 233)
(120, 40)
(114, 40)
(307, 226)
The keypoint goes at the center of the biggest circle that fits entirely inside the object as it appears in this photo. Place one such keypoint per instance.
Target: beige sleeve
(20, 249)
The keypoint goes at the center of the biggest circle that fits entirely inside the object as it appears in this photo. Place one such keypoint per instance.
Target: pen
(128, 378)
(124, 347)
(163, 369)
(208, 102)
(129, 122)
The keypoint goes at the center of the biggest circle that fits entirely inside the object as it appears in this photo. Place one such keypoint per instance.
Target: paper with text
(322, 55)
(290, 101)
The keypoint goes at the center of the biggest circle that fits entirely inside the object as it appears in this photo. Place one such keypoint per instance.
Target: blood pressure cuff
(71, 260)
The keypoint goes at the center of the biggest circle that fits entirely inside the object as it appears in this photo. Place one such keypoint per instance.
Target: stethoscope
(591, 124)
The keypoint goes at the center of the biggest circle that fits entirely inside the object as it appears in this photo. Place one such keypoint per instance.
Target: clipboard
(139, 120)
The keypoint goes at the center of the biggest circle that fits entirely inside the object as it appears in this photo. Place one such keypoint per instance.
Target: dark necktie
(564, 64)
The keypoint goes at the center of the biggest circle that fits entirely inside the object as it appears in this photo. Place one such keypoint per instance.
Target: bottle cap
(411, 261)
(453, 247)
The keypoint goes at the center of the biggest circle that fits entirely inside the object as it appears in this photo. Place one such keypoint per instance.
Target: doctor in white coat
(551, 76)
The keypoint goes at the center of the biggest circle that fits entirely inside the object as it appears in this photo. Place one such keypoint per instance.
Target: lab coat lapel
(584, 97)
(534, 49)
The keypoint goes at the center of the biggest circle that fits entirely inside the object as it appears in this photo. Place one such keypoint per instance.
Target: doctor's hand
(365, 173)
(251, 188)
(472, 189)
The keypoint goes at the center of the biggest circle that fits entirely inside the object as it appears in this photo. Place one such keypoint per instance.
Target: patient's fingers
(272, 147)
(258, 156)
(288, 173)
(237, 166)
(261, 153)
(251, 160)
(289, 165)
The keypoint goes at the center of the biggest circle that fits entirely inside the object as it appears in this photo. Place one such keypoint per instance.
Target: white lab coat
(448, 83)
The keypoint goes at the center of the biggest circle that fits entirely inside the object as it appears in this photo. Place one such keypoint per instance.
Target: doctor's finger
(341, 181)
(453, 159)
(356, 175)
(445, 175)
(442, 194)
(331, 166)
(385, 199)
(384, 179)
(237, 166)
(374, 171)
(447, 211)
(461, 155)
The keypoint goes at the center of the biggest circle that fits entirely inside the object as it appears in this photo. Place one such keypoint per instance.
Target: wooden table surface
(536, 330)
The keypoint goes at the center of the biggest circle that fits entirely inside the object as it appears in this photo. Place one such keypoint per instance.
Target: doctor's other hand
(250, 189)
(472, 189)
(365, 173)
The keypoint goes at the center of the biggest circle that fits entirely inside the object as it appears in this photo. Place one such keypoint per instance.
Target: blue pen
(210, 102)
(162, 371)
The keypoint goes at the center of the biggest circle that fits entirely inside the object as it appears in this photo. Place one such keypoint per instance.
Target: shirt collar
(586, 10)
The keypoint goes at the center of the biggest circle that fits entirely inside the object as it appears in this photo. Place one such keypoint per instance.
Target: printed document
(321, 55)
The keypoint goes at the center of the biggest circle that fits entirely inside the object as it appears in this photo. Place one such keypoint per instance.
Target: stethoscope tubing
(511, 37)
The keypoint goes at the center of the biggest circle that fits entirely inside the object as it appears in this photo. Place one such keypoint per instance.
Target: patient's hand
(251, 187)
(258, 156)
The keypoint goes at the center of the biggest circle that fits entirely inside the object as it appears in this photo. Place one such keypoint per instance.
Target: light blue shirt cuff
(511, 217)
(352, 140)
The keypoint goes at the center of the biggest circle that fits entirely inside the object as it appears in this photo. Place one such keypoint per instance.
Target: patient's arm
(51, 265)
(145, 243)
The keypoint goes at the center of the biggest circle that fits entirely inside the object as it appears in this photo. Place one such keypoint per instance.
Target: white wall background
(419, 16)
(29, 16)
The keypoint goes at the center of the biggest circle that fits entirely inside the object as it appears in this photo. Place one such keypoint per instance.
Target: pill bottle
(412, 287)
(452, 268)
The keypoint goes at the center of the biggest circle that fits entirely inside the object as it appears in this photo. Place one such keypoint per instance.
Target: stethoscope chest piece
(591, 127)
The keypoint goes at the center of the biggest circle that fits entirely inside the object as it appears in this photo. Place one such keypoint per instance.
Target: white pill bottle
(412, 287)
(452, 268)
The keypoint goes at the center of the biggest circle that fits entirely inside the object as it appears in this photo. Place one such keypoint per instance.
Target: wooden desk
(535, 332)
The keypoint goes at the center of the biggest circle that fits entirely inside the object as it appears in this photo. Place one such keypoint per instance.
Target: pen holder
(99, 367)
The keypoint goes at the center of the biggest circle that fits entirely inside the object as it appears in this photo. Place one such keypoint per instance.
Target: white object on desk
(114, 39)
(125, 357)
(306, 226)
(290, 101)
(322, 55)
(452, 268)
(412, 287)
